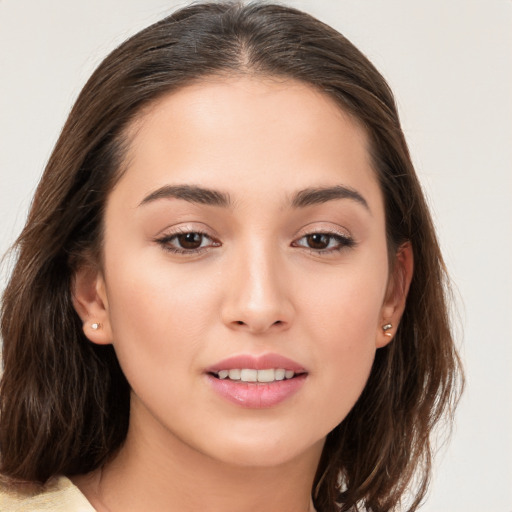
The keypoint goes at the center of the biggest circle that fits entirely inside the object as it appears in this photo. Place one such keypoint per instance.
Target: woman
(228, 293)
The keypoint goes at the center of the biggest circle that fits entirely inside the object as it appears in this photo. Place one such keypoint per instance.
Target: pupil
(190, 240)
(318, 241)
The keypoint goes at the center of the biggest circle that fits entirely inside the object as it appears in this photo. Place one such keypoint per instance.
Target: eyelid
(343, 240)
(324, 228)
(344, 237)
(165, 236)
(186, 227)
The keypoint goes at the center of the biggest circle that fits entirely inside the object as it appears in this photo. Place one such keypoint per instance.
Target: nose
(256, 294)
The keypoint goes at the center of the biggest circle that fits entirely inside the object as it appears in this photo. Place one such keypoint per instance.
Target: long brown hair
(64, 402)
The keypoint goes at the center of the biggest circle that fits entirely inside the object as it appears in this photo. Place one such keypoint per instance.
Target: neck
(155, 472)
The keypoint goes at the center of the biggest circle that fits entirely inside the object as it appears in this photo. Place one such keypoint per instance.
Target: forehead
(262, 134)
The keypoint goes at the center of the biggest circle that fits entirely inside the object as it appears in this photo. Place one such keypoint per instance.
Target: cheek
(344, 320)
(346, 305)
(158, 316)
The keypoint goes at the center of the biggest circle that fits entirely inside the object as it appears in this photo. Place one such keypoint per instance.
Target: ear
(396, 294)
(91, 304)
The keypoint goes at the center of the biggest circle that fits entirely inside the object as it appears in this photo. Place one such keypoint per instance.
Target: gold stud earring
(387, 327)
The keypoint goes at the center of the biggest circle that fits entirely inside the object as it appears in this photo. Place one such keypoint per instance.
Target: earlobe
(91, 304)
(396, 294)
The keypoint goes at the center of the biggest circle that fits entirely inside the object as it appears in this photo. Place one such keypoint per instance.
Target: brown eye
(318, 241)
(324, 242)
(190, 240)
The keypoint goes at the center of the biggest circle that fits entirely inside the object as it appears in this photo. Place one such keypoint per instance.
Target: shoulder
(58, 495)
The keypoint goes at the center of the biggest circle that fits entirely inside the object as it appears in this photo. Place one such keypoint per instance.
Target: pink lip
(256, 363)
(254, 395)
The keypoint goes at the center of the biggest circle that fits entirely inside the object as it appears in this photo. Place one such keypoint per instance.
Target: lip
(260, 362)
(254, 395)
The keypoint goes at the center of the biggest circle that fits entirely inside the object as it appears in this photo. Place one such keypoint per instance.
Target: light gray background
(449, 64)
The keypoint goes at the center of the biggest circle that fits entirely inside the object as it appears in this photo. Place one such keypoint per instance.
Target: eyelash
(166, 240)
(343, 242)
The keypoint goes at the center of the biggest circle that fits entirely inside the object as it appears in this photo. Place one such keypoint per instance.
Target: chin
(264, 452)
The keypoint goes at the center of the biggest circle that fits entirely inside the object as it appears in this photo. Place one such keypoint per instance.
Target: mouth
(257, 382)
(265, 375)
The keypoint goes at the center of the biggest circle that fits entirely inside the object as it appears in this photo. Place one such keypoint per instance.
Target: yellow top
(59, 495)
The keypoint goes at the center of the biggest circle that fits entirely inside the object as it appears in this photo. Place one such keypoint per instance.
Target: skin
(256, 286)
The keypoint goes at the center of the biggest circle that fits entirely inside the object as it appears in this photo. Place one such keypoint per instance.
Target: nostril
(257, 325)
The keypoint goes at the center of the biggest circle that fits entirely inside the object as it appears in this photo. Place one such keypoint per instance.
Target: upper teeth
(250, 375)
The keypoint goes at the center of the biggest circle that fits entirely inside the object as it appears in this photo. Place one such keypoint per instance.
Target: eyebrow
(211, 197)
(312, 196)
(190, 193)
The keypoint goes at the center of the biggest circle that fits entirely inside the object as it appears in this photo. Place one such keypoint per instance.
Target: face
(245, 278)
